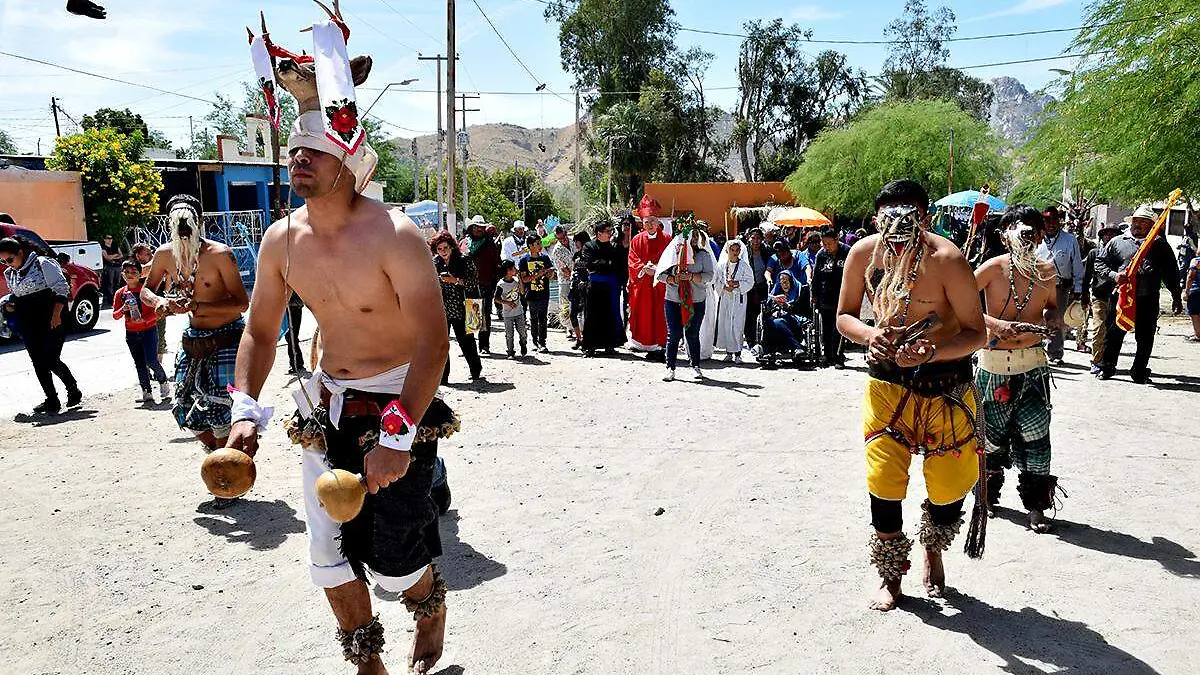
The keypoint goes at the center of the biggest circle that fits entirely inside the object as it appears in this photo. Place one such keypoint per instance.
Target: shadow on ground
(1021, 636)
(51, 420)
(261, 525)
(462, 565)
(1175, 558)
(482, 386)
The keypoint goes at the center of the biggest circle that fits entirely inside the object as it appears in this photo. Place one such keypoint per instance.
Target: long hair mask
(1022, 253)
(187, 236)
(901, 250)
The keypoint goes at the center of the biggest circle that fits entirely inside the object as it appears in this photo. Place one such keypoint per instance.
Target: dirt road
(115, 563)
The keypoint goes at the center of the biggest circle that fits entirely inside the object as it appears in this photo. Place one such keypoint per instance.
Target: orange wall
(47, 202)
(712, 201)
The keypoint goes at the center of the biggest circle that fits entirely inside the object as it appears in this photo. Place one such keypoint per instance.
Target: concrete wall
(47, 202)
(711, 201)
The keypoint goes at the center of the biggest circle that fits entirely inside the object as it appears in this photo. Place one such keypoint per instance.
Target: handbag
(472, 315)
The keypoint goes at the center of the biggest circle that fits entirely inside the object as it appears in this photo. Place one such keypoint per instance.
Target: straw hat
(1075, 316)
(1144, 211)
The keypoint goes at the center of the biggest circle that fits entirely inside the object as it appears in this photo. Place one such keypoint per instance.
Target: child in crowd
(508, 298)
(535, 268)
(141, 330)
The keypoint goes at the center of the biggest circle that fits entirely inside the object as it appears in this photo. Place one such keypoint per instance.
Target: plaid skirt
(1016, 412)
(203, 376)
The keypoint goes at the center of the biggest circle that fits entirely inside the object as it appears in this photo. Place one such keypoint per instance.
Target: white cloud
(1024, 7)
(813, 13)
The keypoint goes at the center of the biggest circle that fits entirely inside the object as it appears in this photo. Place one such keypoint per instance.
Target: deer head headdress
(323, 86)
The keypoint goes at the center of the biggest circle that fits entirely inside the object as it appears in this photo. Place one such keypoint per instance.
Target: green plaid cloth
(1018, 429)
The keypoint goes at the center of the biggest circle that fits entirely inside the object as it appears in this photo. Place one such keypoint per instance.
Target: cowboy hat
(1144, 211)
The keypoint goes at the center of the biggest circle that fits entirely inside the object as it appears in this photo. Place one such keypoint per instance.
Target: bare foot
(1038, 522)
(887, 596)
(427, 643)
(373, 667)
(935, 575)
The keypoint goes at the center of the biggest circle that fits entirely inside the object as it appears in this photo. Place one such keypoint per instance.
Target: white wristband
(245, 409)
(396, 428)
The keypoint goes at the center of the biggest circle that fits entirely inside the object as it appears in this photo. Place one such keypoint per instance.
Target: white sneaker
(164, 389)
(697, 373)
(147, 396)
(670, 376)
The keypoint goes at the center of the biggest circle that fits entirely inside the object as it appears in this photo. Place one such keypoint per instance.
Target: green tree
(626, 133)
(844, 168)
(916, 69)
(127, 123)
(488, 200)
(524, 188)
(224, 119)
(786, 98)
(1126, 124)
(7, 145)
(613, 45)
(120, 190)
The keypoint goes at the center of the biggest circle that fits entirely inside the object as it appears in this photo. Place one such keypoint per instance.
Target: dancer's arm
(256, 353)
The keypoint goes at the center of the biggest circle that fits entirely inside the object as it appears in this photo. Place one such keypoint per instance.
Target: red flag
(1126, 292)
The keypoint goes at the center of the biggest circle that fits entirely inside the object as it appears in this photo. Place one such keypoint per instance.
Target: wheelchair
(776, 349)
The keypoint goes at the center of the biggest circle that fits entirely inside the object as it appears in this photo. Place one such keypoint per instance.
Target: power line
(374, 28)
(411, 22)
(969, 38)
(103, 77)
(510, 49)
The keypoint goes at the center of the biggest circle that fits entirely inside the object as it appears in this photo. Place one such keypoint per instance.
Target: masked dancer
(1020, 295)
(919, 398)
(366, 274)
(202, 281)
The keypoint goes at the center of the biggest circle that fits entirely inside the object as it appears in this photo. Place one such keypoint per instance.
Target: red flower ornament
(1002, 394)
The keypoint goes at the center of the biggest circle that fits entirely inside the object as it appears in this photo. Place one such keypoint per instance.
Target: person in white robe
(732, 283)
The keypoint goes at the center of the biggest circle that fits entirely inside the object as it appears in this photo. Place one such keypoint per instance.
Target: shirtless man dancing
(919, 399)
(1014, 376)
(366, 274)
(203, 281)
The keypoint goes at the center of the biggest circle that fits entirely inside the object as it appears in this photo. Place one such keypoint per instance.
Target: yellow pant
(946, 434)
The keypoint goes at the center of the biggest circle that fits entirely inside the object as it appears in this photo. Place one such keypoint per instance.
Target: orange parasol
(798, 216)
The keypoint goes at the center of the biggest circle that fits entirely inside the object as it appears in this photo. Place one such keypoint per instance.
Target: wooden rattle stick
(341, 494)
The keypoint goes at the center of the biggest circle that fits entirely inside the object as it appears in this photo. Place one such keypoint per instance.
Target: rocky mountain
(550, 151)
(1015, 110)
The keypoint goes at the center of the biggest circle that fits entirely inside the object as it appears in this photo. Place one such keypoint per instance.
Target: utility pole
(950, 178)
(191, 139)
(464, 140)
(578, 183)
(441, 138)
(451, 74)
(608, 186)
(416, 175)
(54, 109)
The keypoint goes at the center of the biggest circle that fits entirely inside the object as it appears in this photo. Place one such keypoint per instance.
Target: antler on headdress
(296, 73)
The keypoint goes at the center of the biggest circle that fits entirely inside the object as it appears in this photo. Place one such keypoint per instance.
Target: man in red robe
(647, 317)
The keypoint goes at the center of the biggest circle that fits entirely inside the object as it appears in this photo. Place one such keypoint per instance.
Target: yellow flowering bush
(120, 190)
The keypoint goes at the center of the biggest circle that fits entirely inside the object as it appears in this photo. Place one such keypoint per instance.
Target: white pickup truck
(83, 253)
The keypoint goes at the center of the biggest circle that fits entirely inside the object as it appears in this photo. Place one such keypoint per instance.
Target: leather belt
(356, 403)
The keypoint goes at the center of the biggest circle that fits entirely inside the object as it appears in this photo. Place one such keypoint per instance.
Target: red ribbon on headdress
(648, 207)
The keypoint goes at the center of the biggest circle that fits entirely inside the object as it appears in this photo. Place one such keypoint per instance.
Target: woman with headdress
(686, 268)
(604, 261)
(733, 280)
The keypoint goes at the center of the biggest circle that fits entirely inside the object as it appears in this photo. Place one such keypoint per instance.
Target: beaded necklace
(1012, 287)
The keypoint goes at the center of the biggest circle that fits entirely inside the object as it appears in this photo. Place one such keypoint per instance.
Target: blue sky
(198, 47)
